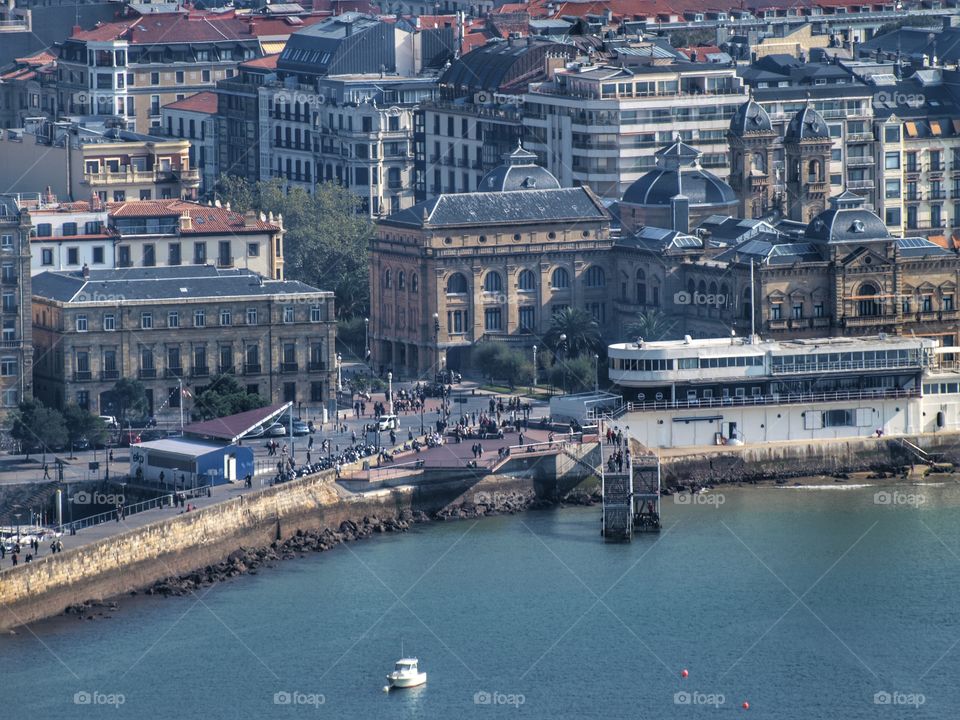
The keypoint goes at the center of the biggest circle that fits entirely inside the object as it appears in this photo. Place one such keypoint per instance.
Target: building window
(869, 305)
(596, 278)
(527, 317)
(199, 253)
(561, 279)
(491, 320)
(316, 313)
(173, 254)
(251, 316)
(226, 317)
(199, 318)
(414, 283)
(775, 311)
(179, 77)
(798, 311)
(891, 189)
(948, 303)
(818, 310)
(81, 323)
(98, 255)
(8, 366)
(493, 282)
(173, 319)
(288, 314)
(253, 249)
(527, 281)
(146, 320)
(891, 160)
(109, 322)
(457, 284)
(46, 256)
(73, 256)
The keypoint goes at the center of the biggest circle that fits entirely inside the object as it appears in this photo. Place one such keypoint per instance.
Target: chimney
(680, 213)
(186, 222)
(75, 29)
(251, 27)
(249, 218)
(86, 272)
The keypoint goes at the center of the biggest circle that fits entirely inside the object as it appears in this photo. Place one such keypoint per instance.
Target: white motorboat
(406, 674)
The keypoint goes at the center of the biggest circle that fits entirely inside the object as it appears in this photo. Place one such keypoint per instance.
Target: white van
(388, 422)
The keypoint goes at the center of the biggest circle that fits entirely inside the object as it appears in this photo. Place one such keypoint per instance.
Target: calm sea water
(804, 603)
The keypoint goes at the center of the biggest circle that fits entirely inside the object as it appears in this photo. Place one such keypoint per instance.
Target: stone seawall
(178, 545)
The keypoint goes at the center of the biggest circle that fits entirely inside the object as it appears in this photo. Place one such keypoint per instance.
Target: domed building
(678, 194)
(847, 221)
(518, 172)
(807, 145)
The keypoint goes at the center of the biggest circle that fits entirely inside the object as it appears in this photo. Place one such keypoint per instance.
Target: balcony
(225, 261)
(82, 376)
(861, 184)
(251, 369)
(173, 372)
(288, 367)
(860, 137)
(108, 375)
(9, 278)
(860, 161)
(913, 197)
(868, 320)
(316, 366)
(148, 373)
(10, 307)
(937, 195)
(200, 371)
(818, 187)
(225, 369)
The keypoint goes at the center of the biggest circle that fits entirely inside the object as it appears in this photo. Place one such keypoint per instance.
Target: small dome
(846, 221)
(807, 124)
(678, 173)
(750, 118)
(518, 172)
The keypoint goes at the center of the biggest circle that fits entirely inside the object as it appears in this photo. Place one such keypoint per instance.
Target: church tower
(807, 146)
(751, 138)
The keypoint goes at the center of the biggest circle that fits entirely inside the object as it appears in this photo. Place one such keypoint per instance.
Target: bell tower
(807, 146)
(751, 139)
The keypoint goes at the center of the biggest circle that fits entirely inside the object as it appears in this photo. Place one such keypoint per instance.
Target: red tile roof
(41, 58)
(171, 28)
(206, 219)
(204, 102)
(268, 62)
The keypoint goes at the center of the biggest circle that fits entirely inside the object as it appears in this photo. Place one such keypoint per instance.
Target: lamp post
(366, 342)
(596, 373)
(390, 391)
(339, 373)
(17, 516)
(562, 349)
(436, 336)
(534, 367)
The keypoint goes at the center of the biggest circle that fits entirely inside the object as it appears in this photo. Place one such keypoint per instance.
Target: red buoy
(746, 705)
(685, 673)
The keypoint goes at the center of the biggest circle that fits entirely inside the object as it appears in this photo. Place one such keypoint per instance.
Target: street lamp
(596, 373)
(339, 373)
(366, 344)
(534, 367)
(17, 516)
(436, 336)
(562, 348)
(390, 391)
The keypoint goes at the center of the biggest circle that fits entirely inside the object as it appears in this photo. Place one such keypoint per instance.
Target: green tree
(352, 338)
(652, 325)
(224, 396)
(326, 239)
(84, 425)
(574, 375)
(34, 424)
(129, 396)
(582, 331)
(499, 362)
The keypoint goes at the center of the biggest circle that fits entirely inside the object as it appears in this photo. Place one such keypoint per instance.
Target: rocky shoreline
(245, 561)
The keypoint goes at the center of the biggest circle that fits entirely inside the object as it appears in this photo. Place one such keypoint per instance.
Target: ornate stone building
(752, 172)
(490, 266)
(807, 146)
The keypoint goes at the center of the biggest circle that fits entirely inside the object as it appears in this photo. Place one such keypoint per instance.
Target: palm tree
(651, 325)
(582, 331)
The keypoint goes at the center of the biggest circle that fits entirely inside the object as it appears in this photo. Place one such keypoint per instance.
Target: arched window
(387, 279)
(457, 284)
(596, 277)
(493, 282)
(702, 288)
(759, 163)
(813, 171)
(641, 287)
(527, 281)
(414, 283)
(713, 288)
(868, 304)
(561, 279)
(401, 281)
(691, 287)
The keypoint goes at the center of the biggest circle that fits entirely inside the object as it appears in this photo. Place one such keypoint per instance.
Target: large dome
(678, 173)
(807, 124)
(750, 118)
(518, 172)
(846, 221)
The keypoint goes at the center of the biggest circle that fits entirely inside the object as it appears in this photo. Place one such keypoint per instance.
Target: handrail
(784, 399)
(157, 502)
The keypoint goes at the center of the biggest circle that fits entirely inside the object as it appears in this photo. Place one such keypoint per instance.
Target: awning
(911, 129)
(272, 47)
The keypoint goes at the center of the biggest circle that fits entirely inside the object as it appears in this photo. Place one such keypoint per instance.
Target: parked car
(388, 422)
(275, 430)
(448, 377)
(110, 421)
(258, 432)
(152, 434)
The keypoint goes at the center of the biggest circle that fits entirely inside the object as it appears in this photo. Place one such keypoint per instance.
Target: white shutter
(813, 420)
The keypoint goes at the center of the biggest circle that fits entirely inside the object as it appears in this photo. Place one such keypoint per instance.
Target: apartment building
(195, 119)
(131, 68)
(16, 340)
(28, 89)
(146, 234)
(167, 326)
(76, 162)
(600, 125)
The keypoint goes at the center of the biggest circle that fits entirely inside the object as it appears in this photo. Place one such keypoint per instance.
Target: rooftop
(202, 102)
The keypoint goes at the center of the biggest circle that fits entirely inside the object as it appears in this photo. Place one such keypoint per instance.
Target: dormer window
(858, 226)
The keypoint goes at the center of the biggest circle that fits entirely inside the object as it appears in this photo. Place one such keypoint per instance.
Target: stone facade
(16, 343)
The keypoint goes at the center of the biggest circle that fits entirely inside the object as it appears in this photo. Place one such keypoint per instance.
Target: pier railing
(780, 399)
(128, 510)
